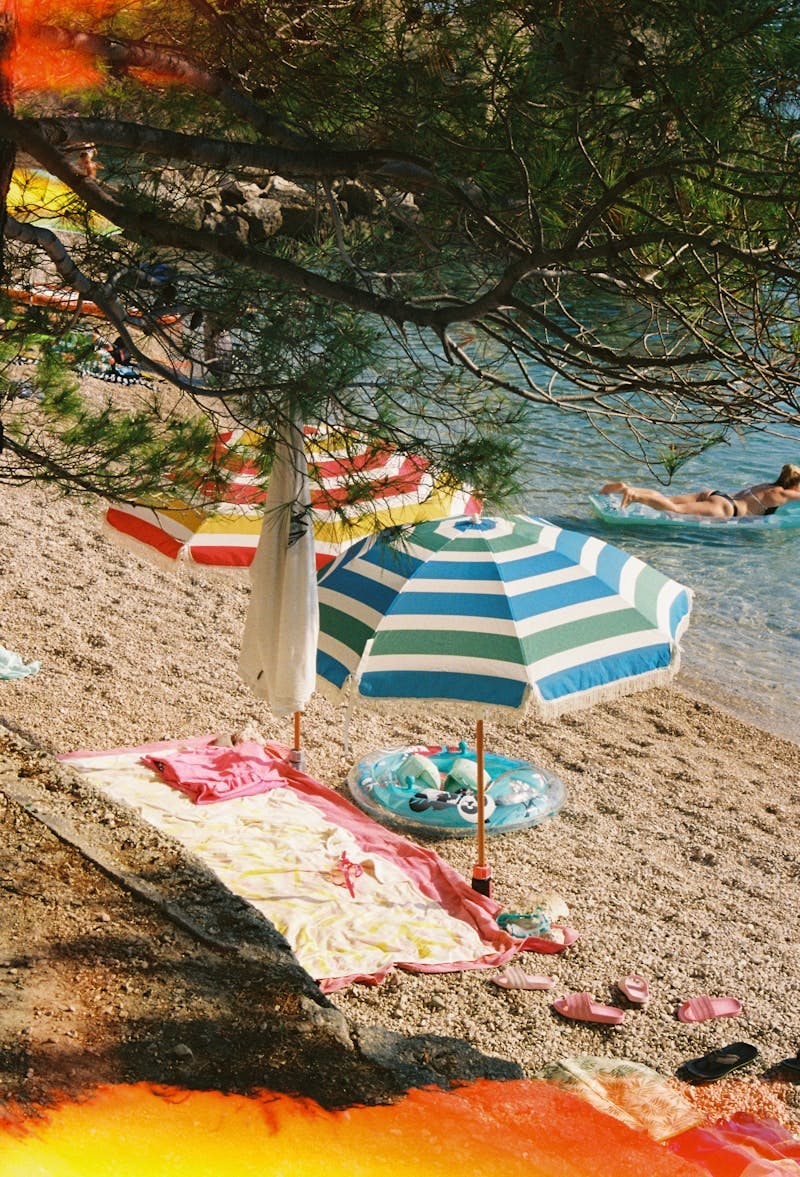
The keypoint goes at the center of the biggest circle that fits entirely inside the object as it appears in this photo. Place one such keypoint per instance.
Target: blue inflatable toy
(433, 789)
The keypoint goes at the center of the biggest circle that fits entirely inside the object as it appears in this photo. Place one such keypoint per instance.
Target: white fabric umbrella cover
(279, 644)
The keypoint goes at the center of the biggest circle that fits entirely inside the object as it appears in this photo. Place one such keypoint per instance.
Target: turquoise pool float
(431, 789)
(607, 508)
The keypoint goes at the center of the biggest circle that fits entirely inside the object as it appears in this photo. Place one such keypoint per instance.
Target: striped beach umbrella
(504, 615)
(357, 488)
(36, 197)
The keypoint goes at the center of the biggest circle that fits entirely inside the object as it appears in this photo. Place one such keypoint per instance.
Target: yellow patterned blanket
(353, 899)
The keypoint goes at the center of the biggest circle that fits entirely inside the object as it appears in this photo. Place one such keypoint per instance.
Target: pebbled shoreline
(675, 851)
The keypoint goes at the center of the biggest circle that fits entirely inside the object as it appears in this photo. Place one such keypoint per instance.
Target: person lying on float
(762, 499)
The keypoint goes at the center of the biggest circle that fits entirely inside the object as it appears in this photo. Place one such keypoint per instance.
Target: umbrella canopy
(356, 488)
(279, 644)
(499, 615)
(40, 199)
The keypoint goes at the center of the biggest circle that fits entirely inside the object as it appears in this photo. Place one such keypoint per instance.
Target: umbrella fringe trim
(348, 697)
(607, 693)
(128, 544)
(535, 707)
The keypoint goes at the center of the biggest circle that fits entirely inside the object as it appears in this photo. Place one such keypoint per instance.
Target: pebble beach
(675, 851)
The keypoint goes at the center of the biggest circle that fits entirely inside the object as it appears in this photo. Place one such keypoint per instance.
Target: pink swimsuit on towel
(214, 773)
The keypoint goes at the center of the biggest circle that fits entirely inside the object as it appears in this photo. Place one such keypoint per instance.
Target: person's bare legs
(622, 488)
(701, 503)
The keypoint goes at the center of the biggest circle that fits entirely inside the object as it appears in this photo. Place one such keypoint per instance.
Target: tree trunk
(8, 39)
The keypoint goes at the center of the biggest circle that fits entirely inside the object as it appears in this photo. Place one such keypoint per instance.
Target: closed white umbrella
(279, 645)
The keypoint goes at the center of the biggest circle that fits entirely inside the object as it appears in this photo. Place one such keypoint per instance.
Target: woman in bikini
(762, 499)
(89, 163)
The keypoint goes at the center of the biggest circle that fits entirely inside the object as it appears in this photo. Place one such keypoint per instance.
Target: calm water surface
(742, 648)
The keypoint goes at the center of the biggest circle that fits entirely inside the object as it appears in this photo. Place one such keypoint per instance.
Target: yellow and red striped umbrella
(356, 488)
(40, 199)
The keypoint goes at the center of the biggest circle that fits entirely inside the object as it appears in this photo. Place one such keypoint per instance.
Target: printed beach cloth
(629, 1091)
(353, 899)
(12, 666)
(741, 1146)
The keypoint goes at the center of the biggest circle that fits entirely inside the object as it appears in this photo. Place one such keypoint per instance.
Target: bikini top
(766, 510)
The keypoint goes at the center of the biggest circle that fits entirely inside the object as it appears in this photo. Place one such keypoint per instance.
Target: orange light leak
(518, 1129)
(57, 12)
(37, 66)
(151, 77)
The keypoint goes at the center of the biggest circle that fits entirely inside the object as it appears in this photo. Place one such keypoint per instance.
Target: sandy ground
(676, 850)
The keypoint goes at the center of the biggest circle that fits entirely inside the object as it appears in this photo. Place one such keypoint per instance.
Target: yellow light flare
(517, 1129)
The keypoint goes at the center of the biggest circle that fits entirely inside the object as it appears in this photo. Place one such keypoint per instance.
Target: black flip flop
(791, 1064)
(719, 1063)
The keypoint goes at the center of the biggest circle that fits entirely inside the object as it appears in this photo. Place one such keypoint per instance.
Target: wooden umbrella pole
(296, 757)
(481, 874)
(481, 797)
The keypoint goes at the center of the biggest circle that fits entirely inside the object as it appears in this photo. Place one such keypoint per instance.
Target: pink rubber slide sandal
(584, 1008)
(635, 988)
(701, 1009)
(515, 977)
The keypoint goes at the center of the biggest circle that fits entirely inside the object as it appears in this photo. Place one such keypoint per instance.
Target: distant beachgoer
(89, 163)
(762, 499)
(120, 354)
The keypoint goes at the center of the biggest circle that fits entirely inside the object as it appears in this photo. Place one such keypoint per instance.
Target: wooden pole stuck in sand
(296, 754)
(481, 872)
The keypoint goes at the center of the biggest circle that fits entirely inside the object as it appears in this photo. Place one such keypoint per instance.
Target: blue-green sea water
(742, 648)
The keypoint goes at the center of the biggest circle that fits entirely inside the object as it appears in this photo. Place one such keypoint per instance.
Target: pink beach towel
(742, 1146)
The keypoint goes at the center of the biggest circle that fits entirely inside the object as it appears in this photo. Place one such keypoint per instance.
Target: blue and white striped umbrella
(500, 614)
(509, 613)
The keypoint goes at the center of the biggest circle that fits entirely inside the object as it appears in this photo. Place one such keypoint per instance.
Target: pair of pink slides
(583, 1007)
